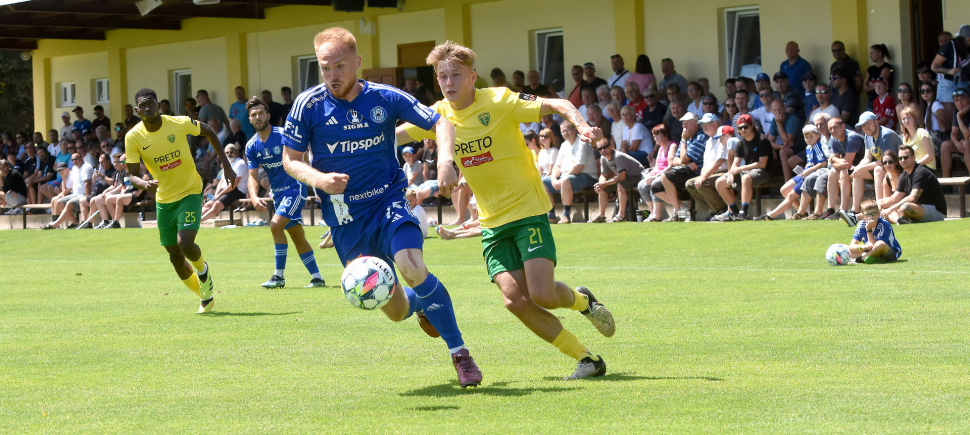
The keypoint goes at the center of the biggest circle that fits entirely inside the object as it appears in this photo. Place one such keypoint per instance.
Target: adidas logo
(332, 121)
(433, 307)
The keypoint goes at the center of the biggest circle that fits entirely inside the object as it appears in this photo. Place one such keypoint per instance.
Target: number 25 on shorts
(190, 217)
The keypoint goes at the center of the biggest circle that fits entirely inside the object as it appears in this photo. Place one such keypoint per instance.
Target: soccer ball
(837, 255)
(368, 283)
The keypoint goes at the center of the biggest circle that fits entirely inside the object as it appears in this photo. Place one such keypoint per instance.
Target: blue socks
(311, 263)
(280, 253)
(436, 303)
(413, 303)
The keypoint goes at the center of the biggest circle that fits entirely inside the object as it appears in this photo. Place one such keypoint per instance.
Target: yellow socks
(198, 264)
(568, 344)
(581, 303)
(192, 282)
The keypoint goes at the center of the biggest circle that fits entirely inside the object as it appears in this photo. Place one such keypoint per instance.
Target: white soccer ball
(368, 283)
(837, 255)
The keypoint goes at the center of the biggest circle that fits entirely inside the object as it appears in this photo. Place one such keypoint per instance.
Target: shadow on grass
(255, 314)
(436, 408)
(626, 376)
(495, 389)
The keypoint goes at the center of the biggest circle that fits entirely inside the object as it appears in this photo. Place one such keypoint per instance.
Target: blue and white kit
(289, 195)
(883, 231)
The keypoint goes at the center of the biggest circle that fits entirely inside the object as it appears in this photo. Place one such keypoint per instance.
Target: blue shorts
(578, 182)
(289, 204)
(799, 181)
(382, 233)
(430, 184)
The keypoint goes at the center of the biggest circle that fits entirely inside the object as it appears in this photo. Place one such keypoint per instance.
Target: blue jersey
(883, 231)
(269, 155)
(815, 154)
(355, 138)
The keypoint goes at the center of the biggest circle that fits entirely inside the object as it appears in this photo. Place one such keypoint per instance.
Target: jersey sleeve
(296, 133)
(525, 107)
(409, 109)
(417, 133)
(251, 155)
(190, 125)
(860, 232)
(132, 149)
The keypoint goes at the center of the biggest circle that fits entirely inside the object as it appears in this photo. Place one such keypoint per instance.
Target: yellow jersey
(167, 155)
(492, 155)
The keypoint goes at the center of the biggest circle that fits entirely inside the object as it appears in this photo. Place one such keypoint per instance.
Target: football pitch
(721, 328)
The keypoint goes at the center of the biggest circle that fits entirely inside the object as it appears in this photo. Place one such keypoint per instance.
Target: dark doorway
(927, 24)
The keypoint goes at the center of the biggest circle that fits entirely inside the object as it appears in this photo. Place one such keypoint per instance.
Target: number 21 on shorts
(533, 235)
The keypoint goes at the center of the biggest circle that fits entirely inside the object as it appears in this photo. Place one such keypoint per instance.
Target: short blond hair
(335, 34)
(451, 51)
(869, 206)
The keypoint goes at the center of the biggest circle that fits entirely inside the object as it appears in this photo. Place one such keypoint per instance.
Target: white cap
(809, 128)
(689, 116)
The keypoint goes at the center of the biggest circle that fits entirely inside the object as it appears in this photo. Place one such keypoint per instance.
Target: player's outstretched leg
(551, 294)
(192, 252)
(546, 325)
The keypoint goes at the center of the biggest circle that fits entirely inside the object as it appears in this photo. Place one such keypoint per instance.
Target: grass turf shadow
(254, 314)
(436, 408)
(627, 376)
(494, 389)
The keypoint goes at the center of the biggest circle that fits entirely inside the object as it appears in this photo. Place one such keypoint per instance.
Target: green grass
(730, 328)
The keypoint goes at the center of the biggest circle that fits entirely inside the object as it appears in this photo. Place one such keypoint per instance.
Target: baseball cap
(746, 119)
(865, 117)
(407, 150)
(809, 128)
(708, 99)
(689, 116)
(60, 165)
(964, 31)
(780, 75)
(880, 79)
(65, 114)
(809, 76)
(709, 117)
(589, 64)
(961, 91)
(724, 130)
(76, 108)
(763, 76)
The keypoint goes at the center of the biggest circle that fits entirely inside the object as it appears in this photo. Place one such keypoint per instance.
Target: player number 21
(533, 234)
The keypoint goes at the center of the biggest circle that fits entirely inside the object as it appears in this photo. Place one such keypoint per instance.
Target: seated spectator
(15, 163)
(665, 149)
(917, 138)
(935, 119)
(165, 108)
(925, 75)
(44, 174)
(762, 83)
(674, 94)
(827, 184)
(890, 196)
(847, 150)
(430, 158)
(672, 121)
(118, 186)
(518, 81)
(417, 211)
(77, 186)
(643, 74)
(763, 115)
(634, 140)
(13, 190)
(616, 128)
(30, 160)
(498, 78)
(809, 99)
(589, 99)
(730, 111)
(529, 127)
(217, 126)
(205, 160)
(741, 102)
(413, 168)
(822, 97)
(685, 165)
(959, 133)
(718, 151)
(905, 97)
(695, 92)
(636, 100)
(709, 105)
(884, 105)
(786, 138)
(548, 121)
(793, 189)
(574, 171)
(748, 170)
(616, 168)
(603, 97)
(224, 196)
(816, 173)
(793, 98)
(874, 240)
(595, 118)
(103, 180)
(539, 89)
(654, 112)
(618, 95)
(236, 136)
(878, 139)
(116, 202)
(924, 201)
(670, 78)
(547, 152)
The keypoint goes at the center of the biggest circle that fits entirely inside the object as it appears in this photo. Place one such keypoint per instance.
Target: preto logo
(473, 146)
(467, 162)
(168, 157)
(349, 146)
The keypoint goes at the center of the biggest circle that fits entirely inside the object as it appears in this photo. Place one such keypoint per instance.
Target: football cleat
(206, 306)
(426, 325)
(589, 368)
(205, 282)
(316, 282)
(849, 217)
(468, 373)
(598, 314)
(275, 281)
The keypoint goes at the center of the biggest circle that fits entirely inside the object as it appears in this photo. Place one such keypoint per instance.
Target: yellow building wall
(151, 67)
(889, 24)
(81, 69)
(502, 34)
(406, 28)
(689, 32)
(955, 14)
(270, 56)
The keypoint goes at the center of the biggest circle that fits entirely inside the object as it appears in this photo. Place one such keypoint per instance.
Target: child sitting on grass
(874, 241)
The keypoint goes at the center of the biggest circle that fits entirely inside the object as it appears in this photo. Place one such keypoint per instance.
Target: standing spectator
(209, 110)
(81, 124)
(237, 110)
(593, 82)
(947, 65)
(276, 114)
(100, 119)
(575, 96)
(686, 164)
(822, 95)
(670, 76)
(539, 89)
(795, 67)
(849, 65)
(843, 97)
(916, 137)
(620, 74)
(884, 106)
(878, 139)
(959, 134)
(130, 118)
(287, 95)
(878, 55)
(618, 173)
(65, 131)
(574, 171)
(786, 137)
(547, 152)
(665, 154)
(643, 74)
(13, 190)
(695, 92)
(924, 201)
(937, 124)
(748, 170)
(718, 152)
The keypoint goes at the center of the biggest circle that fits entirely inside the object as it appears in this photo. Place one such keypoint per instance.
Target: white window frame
(307, 67)
(731, 18)
(541, 41)
(177, 106)
(68, 96)
(101, 95)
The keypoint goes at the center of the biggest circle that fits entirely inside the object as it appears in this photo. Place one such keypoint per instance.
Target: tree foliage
(16, 93)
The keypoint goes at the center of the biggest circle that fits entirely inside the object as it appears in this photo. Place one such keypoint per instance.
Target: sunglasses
(763, 95)
(602, 148)
(821, 92)
(902, 91)
(833, 78)
(544, 136)
(710, 104)
(926, 91)
(901, 158)
(731, 105)
(960, 92)
(888, 162)
(76, 159)
(743, 127)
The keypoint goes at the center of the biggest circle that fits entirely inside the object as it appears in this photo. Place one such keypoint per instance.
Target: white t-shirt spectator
(934, 123)
(66, 131)
(417, 170)
(547, 158)
(764, 116)
(831, 110)
(578, 153)
(78, 176)
(91, 159)
(241, 169)
(583, 111)
(637, 132)
(714, 150)
(54, 149)
(616, 131)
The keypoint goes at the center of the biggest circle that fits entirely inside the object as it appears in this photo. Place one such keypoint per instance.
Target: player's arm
(134, 177)
(331, 183)
(445, 136)
(213, 138)
(566, 109)
(254, 190)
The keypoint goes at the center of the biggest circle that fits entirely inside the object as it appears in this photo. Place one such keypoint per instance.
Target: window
(743, 41)
(309, 73)
(101, 91)
(67, 95)
(183, 89)
(549, 58)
